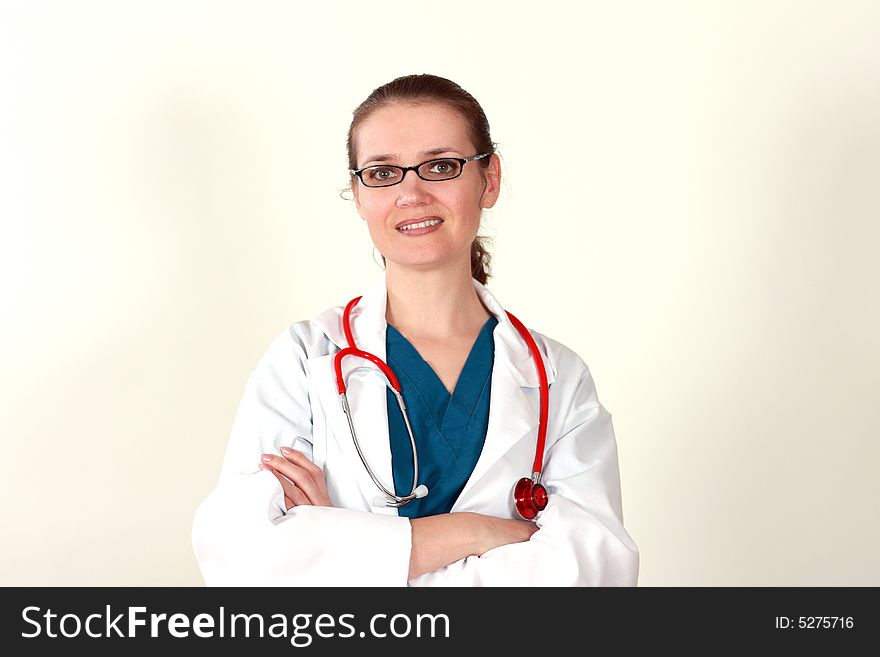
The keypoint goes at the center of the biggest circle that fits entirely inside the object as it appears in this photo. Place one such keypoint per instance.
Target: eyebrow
(385, 157)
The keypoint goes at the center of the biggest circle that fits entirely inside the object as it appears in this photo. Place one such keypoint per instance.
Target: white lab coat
(243, 536)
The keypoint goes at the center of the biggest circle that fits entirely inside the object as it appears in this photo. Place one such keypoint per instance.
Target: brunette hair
(424, 89)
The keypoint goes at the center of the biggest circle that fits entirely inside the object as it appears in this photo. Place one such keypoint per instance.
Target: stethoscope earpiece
(383, 501)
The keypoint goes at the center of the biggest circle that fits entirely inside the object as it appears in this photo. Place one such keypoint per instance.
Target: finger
(307, 476)
(289, 503)
(292, 494)
(317, 473)
(528, 528)
(298, 458)
(301, 477)
(298, 497)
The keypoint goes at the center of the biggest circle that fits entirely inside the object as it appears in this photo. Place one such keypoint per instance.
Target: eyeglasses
(385, 175)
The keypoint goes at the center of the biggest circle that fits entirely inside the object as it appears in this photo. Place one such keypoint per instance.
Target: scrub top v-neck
(449, 429)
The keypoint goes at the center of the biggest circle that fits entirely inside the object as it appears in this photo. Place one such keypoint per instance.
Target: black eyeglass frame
(461, 160)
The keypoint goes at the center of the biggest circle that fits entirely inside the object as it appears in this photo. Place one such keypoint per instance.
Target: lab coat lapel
(514, 402)
(365, 391)
(511, 419)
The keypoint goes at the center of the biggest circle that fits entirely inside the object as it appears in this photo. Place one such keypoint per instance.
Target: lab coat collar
(511, 346)
(368, 326)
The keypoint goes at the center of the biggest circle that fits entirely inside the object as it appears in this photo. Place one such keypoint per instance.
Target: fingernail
(267, 458)
(286, 451)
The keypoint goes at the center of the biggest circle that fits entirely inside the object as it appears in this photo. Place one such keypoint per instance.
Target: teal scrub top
(449, 430)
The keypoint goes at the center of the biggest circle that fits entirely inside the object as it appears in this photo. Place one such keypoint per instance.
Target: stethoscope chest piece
(529, 497)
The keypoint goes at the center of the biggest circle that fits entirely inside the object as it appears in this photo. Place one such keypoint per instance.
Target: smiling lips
(419, 226)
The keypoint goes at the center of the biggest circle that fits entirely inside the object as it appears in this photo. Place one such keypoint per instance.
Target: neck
(433, 304)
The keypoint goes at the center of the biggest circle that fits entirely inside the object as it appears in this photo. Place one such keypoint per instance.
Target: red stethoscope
(529, 495)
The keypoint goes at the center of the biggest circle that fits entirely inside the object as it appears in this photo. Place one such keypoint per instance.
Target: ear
(492, 175)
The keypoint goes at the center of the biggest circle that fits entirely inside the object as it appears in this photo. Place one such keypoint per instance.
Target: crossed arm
(437, 541)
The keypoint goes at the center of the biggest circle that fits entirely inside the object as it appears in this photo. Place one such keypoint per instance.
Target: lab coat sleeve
(581, 540)
(242, 535)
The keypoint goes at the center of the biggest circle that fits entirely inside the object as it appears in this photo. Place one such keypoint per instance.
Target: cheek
(377, 224)
(376, 233)
(469, 199)
(372, 214)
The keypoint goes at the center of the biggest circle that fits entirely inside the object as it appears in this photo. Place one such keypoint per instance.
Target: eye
(444, 166)
(381, 174)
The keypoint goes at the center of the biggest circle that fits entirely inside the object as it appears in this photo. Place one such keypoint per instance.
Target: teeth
(421, 224)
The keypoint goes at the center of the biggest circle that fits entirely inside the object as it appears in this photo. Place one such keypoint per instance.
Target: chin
(428, 256)
(426, 263)
(420, 264)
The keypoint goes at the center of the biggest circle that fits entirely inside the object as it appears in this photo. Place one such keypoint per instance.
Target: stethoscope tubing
(392, 382)
(538, 465)
(394, 499)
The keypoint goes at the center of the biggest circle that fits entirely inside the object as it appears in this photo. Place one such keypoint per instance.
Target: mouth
(419, 222)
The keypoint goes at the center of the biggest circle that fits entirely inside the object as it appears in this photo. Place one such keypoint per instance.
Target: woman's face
(406, 135)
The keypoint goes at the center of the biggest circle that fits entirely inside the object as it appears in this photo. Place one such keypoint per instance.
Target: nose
(412, 190)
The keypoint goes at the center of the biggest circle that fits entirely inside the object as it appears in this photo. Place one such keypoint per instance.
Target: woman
(296, 503)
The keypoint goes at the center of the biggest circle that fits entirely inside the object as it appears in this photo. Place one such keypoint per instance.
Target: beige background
(691, 202)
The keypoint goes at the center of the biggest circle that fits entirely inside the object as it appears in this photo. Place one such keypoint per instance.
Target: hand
(302, 481)
(500, 531)
(445, 538)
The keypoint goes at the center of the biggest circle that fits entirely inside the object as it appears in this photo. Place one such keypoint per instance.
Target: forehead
(408, 130)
